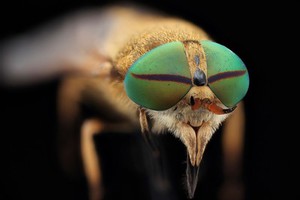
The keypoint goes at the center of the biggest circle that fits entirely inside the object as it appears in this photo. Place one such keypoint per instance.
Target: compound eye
(160, 78)
(228, 76)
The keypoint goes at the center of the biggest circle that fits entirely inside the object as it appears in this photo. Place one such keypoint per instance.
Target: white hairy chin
(168, 120)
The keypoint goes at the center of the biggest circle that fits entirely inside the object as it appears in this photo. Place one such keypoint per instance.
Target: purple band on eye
(224, 75)
(163, 77)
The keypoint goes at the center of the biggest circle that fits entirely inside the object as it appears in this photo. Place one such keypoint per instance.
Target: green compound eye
(160, 78)
(227, 74)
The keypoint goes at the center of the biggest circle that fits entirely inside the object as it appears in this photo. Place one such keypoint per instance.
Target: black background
(30, 167)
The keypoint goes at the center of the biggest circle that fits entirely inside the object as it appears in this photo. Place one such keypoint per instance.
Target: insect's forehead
(195, 56)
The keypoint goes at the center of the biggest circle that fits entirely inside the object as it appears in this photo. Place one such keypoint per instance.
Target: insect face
(187, 88)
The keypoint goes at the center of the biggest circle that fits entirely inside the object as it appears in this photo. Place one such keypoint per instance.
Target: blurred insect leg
(68, 110)
(91, 163)
(232, 147)
(145, 129)
(76, 147)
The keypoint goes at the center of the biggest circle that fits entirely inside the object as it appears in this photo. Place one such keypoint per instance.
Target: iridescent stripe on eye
(163, 77)
(224, 75)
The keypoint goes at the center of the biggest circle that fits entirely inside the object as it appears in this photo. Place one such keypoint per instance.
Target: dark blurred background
(30, 169)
